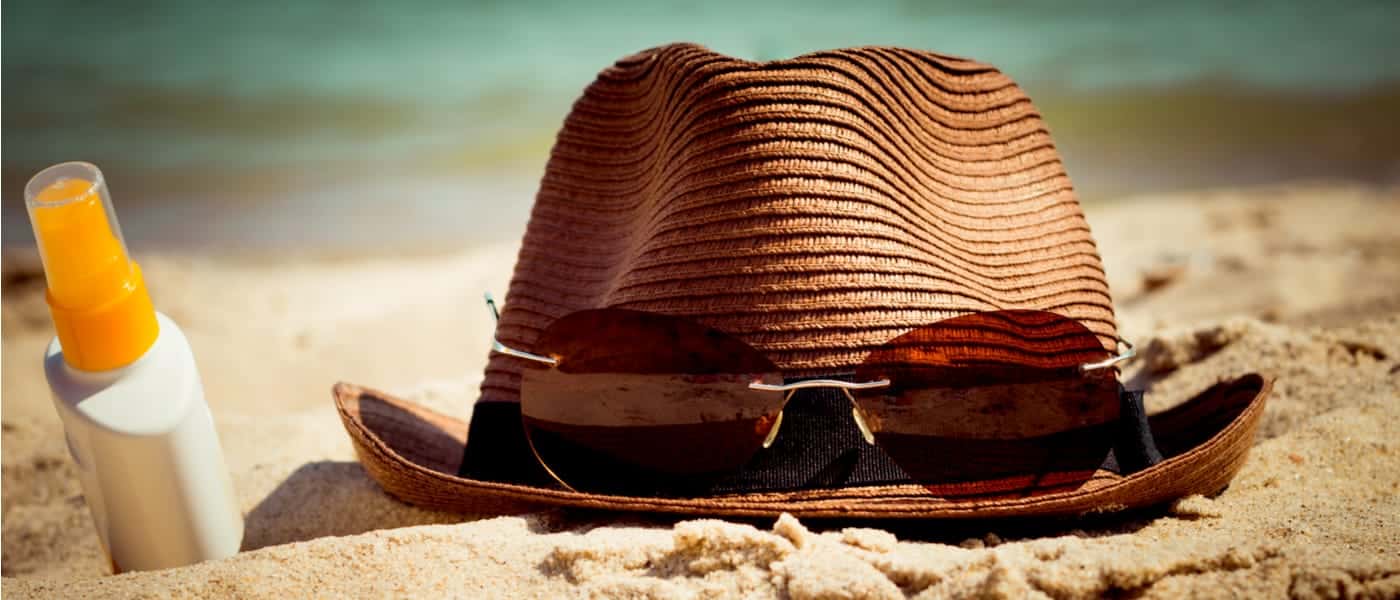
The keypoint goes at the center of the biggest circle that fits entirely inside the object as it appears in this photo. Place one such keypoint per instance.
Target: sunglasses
(619, 401)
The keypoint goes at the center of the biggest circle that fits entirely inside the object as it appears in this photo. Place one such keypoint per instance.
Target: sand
(1301, 281)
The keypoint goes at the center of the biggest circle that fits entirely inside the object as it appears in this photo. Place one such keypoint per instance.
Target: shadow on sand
(331, 498)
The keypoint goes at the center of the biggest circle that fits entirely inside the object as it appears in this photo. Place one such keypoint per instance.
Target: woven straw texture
(814, 208)
(413, 453)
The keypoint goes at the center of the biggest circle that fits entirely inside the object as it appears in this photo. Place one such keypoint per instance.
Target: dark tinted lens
(993, 403)
(645, 404)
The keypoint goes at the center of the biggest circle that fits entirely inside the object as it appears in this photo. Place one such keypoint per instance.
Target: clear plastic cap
(80, 243)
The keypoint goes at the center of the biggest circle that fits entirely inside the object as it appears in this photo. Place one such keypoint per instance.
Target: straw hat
(814, 208)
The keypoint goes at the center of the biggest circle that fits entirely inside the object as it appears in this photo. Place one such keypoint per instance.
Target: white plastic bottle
(126, 387)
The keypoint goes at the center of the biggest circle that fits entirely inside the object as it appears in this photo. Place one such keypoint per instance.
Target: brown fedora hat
(813, 209)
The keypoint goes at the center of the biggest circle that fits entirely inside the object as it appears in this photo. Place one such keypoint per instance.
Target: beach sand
(1300, 281)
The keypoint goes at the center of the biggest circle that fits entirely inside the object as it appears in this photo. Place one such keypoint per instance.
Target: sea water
(411, 121)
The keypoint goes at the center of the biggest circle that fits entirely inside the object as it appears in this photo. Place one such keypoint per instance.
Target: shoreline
(503, 211)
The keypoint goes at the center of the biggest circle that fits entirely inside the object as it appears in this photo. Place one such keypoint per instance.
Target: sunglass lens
(645, 404)
(993, 404)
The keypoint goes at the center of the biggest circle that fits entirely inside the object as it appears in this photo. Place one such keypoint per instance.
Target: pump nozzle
(96, 295)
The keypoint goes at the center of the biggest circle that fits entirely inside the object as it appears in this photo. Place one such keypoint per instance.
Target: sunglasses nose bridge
(860, 420)
(844, 386)
(777, 422)
(820, 383)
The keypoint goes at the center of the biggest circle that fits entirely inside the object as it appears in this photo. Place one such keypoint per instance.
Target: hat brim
(414, 454)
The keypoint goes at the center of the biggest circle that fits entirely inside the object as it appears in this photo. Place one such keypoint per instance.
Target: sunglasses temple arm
(508, 351)
(1129, 351)
(497, 346)
(491, 304)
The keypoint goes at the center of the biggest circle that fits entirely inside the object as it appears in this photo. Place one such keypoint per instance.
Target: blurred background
(341, 123)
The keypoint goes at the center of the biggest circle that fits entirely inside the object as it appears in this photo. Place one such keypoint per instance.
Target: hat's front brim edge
(1205, 468)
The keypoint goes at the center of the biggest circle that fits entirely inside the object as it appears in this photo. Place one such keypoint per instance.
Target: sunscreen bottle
(125, 385)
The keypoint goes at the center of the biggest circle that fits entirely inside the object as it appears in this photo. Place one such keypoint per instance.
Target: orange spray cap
(96, 295)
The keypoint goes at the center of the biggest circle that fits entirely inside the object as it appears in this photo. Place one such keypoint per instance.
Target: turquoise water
(274, 109)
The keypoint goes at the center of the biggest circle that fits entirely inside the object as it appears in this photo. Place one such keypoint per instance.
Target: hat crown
(814, 208)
